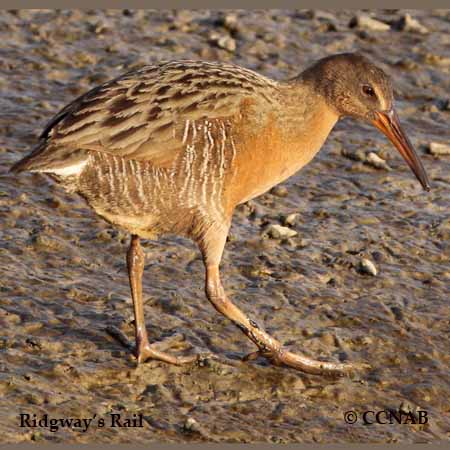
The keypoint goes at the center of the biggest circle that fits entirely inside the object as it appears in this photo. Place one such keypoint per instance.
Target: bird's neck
(305, 108)
(295, 131)
(308, 120)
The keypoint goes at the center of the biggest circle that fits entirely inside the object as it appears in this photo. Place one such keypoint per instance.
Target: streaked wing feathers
(141, 114)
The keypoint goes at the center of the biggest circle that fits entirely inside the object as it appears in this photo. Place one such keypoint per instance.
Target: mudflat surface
(63, 274)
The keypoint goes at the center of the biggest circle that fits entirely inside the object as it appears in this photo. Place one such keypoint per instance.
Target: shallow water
(63, 273)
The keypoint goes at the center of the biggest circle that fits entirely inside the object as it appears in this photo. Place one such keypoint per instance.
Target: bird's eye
(368, 90)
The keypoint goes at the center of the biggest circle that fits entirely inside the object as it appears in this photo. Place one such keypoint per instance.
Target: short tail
(30, 162)
(48, 158)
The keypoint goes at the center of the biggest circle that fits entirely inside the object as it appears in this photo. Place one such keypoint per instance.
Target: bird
(172, 148)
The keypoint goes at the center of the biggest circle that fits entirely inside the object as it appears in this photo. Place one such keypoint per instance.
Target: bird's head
(355, 87)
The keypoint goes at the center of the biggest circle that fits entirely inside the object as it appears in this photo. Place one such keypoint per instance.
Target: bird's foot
(150, 352)
(284, 357)
(144, 351)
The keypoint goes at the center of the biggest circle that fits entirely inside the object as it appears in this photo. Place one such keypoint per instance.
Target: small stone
(298, 385)
(303, 243)
(357, 155)
(46, 105)
(362, 21)
(377, 256)
(406, 407)
(280, 232)
(290, 219)
(37, 436)
(327, 339)
(407, 23)
(35, 398)
(436, 60)
(407, 64)
(435, 148)
(191, 424)
(444, 104)
(229, 22)
(326, 27)
(368, 267)
(259, 48)
(375, 161)
(225, 42)
(323, 15)
(307, 332)
(279, 191)
(398, 313)
(104, 235)
(99, 27)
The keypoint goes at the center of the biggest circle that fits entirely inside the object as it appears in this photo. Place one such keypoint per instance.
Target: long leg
(212, 248)
(135, 262)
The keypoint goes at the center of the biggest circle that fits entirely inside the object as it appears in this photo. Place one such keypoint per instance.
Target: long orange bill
(388, 123)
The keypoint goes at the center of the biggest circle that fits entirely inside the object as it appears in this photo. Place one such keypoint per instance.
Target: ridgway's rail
(172, 148)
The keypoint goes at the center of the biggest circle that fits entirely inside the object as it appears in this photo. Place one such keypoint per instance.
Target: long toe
(308, 365)
(150, 352)
(157, 351)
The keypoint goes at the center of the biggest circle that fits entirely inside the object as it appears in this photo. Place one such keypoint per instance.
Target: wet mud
(63, 279)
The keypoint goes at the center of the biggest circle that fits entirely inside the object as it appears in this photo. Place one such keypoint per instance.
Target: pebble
(409, 407)
(367, 340)
(326, 27)
(398, 313)
(35, 398)
(298, 385)
(37, 436)
(228, 43)
(225, 42)
(191, 424)
(307, 332)
(436, 60)
(258, 48)
(46, 105)
(407, 23)
(375, 161)
(377, 256)
(368, 267)
(407, 64)
(444, 104)
(324, 15)
(9, 317)
(229, 22)
(290, 219)
(104, 235)
(362, 21)
(327, 339)
(436, 148)
(357, 155)
(279, 191)
(280, 232)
